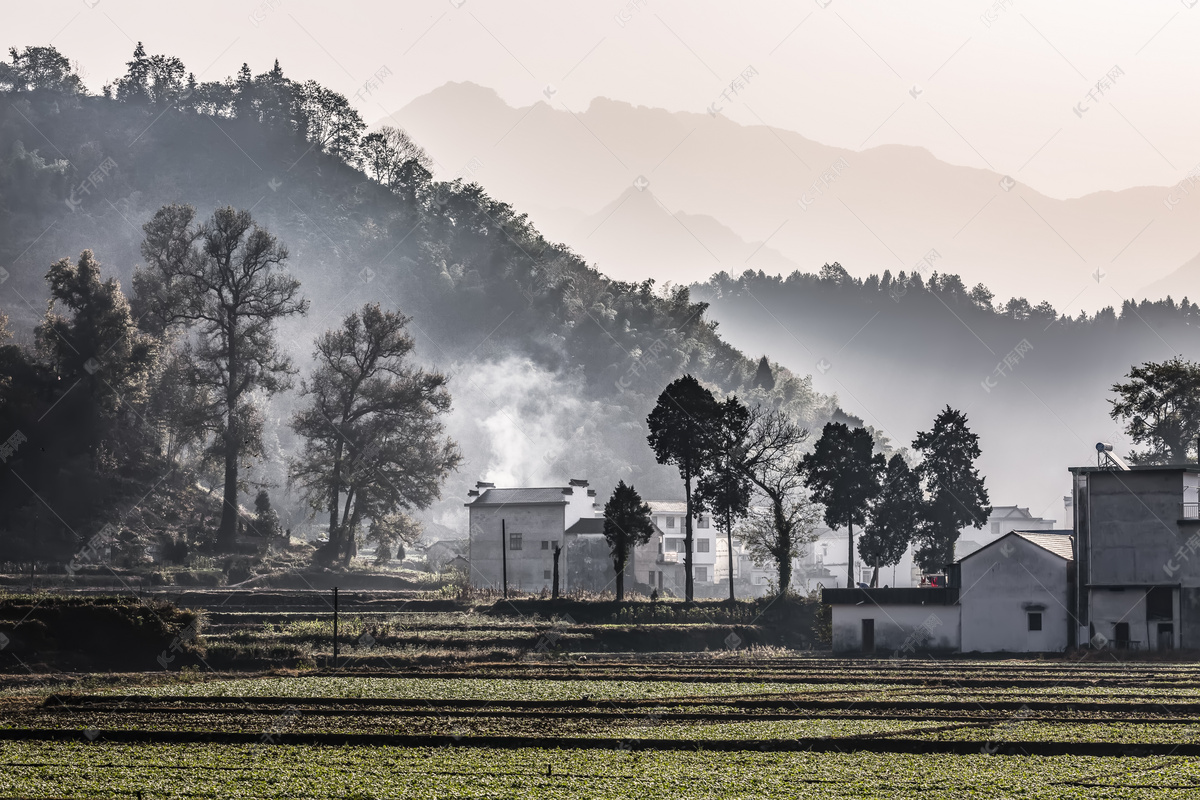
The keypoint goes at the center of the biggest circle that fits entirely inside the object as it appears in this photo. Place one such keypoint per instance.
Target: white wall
(527, 566)
(1001, 584)
(899, 629)
(1129, 605)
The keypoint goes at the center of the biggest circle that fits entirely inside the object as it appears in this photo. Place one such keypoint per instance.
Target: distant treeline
(939, 289)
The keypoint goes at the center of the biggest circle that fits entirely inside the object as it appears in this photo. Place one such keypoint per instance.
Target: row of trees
(948, 288)
(729, 455)
(185, 369)
(755, 464)
(324, 117)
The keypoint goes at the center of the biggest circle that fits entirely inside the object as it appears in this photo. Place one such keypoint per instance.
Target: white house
(516, 530)
(1014, 595)
(669, 575)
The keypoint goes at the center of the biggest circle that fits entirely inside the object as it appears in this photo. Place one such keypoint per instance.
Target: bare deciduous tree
(778, 529)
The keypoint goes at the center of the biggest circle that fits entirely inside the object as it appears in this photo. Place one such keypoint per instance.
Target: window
(1035, 620)
(1159, 603)
(996, 527)
(545, 544)
(702, 521)
(670, 522)
(514, 541)
(702, 545)
(547, 574)
(702, 574)
(675, 546)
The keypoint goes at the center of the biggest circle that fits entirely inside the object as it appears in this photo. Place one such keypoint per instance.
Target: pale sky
(993, 85)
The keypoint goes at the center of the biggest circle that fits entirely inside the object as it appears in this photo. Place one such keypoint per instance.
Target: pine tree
(956, 497)
(763, 378)
(896, 515)
(843, 474)
(681, 434)
(725, 491)
(627, 524)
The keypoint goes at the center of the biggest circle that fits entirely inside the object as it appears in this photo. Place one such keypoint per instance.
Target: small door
(1166, 636)
(868, 636)
(1121, 635)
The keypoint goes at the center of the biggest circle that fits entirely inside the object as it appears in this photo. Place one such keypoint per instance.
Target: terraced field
(720, 725)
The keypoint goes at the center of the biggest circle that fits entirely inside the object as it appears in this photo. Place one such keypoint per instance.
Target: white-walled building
(1016, 593)
(1013, 595)
(529, 522)
(669, 572)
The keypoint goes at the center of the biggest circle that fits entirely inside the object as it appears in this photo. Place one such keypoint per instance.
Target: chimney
(484, 485)
(578, 482)
(472, 493)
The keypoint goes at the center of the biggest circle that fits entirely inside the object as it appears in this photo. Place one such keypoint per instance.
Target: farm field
(715, 725)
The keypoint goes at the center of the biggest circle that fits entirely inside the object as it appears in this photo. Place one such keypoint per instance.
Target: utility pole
(504, 557)
(557, 553)
(335, 627)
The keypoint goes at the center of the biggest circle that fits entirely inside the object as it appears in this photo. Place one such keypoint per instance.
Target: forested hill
(553, 367)
(1035, 381)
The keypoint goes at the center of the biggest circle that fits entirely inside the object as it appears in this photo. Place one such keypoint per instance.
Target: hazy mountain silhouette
(885, 207)
(1182, 282)
(666, 243)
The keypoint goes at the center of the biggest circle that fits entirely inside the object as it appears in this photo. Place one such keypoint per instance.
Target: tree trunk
(346, 533)
(729, 542)
(850, 582)
(619, 565)
(227, 531)
(335, 489)
(785, 575)
(689, 585)
(875, 577)
(783, 546)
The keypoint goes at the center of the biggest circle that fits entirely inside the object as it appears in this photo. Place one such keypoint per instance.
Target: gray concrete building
(1137, 571)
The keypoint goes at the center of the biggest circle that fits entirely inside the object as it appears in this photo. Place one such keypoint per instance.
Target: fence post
(335, 627)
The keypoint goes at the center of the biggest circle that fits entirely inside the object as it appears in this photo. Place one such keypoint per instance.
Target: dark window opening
(1159, 603)
(1121, 635)
(1035, 620)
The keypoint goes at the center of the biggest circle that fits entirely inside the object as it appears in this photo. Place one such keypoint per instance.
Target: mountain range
(680, 196)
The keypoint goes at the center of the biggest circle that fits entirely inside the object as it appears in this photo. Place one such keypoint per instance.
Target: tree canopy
(896, 518)
(956, 496)
(843, 473)
(1160, 407)
(627, 524)
(681, 433)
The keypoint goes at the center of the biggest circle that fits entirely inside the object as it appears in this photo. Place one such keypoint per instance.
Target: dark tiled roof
(588, 525)
(527, 497)
(594, 525)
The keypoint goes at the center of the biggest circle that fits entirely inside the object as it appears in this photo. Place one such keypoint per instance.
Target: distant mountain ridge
(883, 208)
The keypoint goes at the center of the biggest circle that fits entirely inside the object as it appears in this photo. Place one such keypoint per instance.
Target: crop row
(52, 769)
